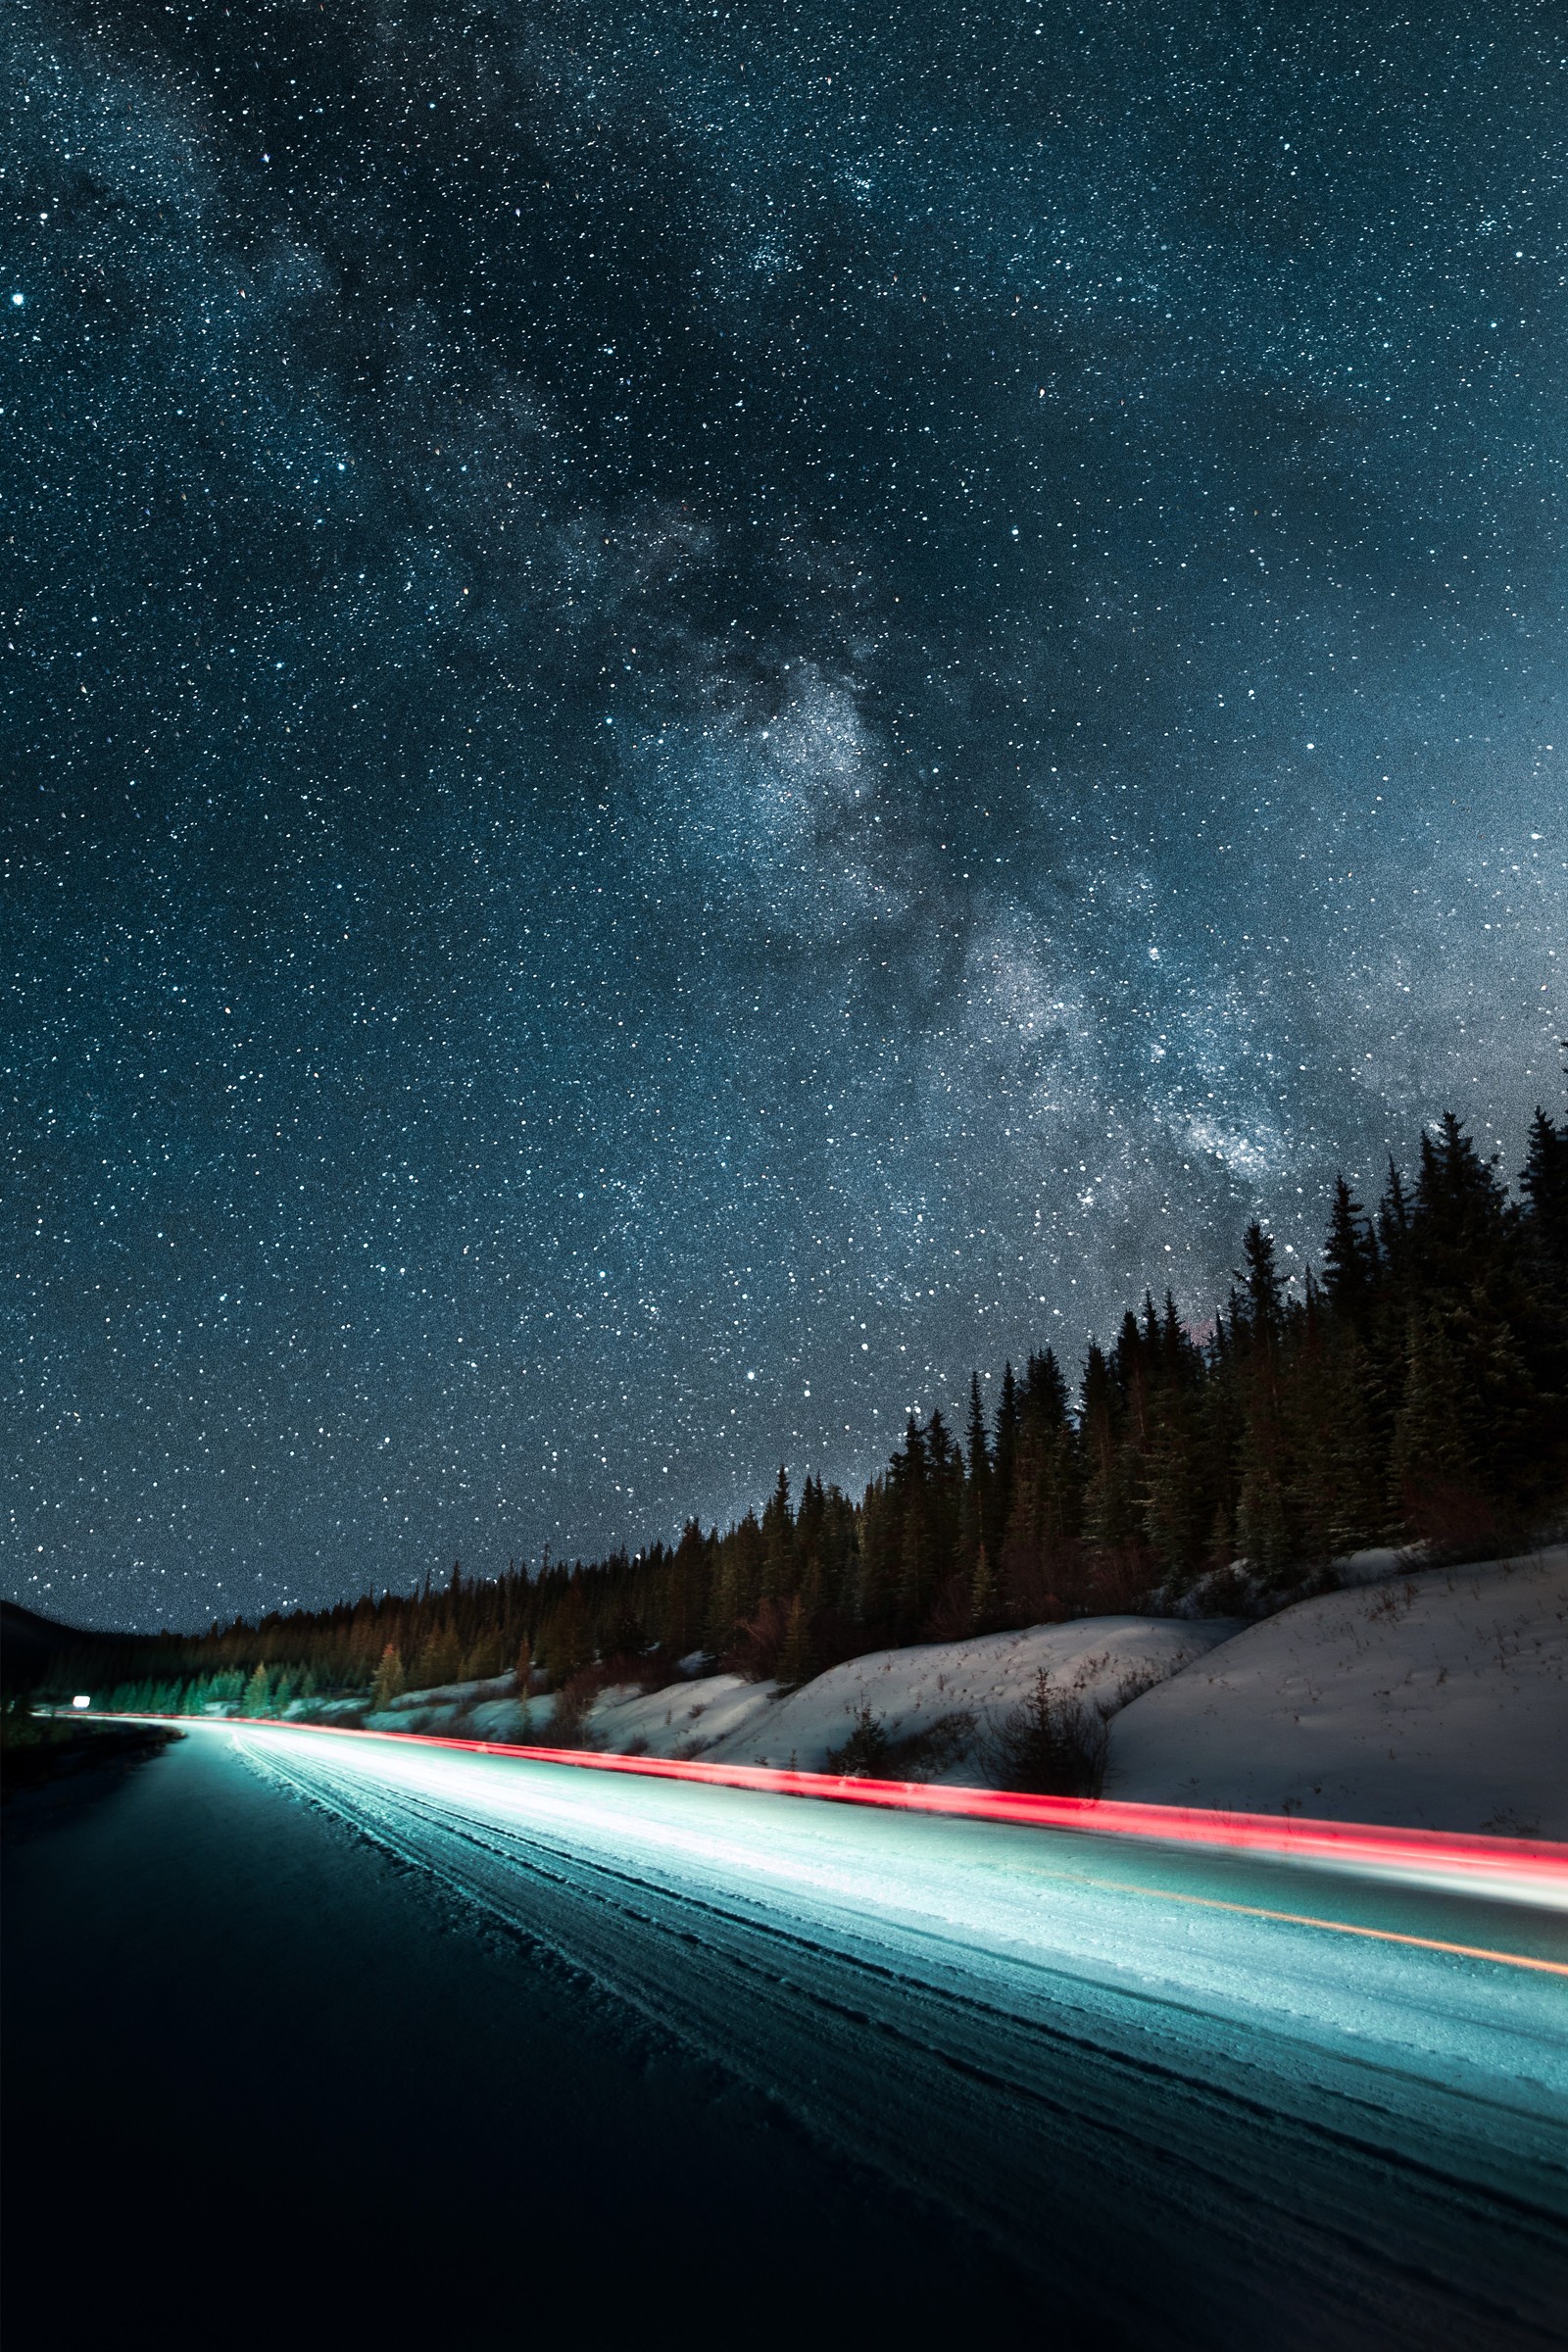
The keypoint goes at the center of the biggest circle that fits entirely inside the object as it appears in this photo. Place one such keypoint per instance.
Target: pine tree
(982, 1594)
(1394, 1221)
(1349, 1258)
(918, 1560)
(1433, 1467)
(1264, 1525)
(1544, 1186)
(440, 1660)
(258, 1694)
(977, 1445)
(977, 1531)
(1005, 1456)
(1262, 1292)
(778, 1539)
(1176, 1511)
(795, 1655)
(686, 1593)
(1105, 1503)
(1460, 1221)
(566, 1639)
(1355, 1447)
(389, 1682)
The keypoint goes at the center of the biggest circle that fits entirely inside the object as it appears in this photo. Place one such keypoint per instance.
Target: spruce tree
(1349, 1258)
(1264, 1525)
(1394, 1221)
(1434, 1470)
(389, 1682)
(982, 1594)
(778, 1539)
(977, 1445)
(1005, 1453)
(795, 1655)
(257, 1698)
(978, 1530)
(1544, 1186)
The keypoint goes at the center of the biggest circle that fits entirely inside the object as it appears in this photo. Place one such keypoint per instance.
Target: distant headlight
(82, 1699)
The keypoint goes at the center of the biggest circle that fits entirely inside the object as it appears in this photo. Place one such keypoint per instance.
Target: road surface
(1193, 2099)
(1010, 2021)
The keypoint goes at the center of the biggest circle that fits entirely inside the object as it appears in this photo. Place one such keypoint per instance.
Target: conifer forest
(1413, 1390)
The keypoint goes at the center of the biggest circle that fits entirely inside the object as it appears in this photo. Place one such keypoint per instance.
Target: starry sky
(711, 711)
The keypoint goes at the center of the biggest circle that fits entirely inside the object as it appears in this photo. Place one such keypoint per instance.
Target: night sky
(708, 712)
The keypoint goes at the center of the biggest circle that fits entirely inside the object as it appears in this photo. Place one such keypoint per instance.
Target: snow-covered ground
(1434, 1700)
(687, 1719)
(936, 1705)
(486, 1710)
(1437, 1698)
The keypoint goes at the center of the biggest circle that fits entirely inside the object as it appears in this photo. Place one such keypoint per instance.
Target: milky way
(710, 711)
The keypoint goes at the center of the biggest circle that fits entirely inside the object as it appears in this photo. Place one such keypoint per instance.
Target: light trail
(1360, 2118)
(1342, 1927)
(1518, 1869)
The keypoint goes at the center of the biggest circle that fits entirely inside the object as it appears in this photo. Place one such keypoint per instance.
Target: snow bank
(454, 1695)
(1247, 1594)
(519, 1721)
(939, 1702)
(313, 1711)
(1438, 1701)
(483, 1710)
(677, 1721)
(936, 1705)
(685, 1719)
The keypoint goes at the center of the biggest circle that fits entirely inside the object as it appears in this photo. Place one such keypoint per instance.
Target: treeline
(1416, 1390)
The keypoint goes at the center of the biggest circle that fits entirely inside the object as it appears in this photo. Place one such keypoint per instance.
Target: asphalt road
(1152, 2096)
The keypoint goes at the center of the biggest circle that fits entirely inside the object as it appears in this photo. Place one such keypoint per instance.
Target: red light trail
(1504, 1866)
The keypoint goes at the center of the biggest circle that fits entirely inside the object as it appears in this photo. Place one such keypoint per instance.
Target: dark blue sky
(710, 712)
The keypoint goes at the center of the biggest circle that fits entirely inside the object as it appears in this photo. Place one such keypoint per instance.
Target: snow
(1376, 1566)
(947, 1696)
(1420, 1697)
(491, 1718)
(941, 1699)
(685, 1719)
(482, 1710)
(458, 1695)
(1251, 1595)
(1437, 1700)
(522, 1721)
(622, 1718)
(305, 1710)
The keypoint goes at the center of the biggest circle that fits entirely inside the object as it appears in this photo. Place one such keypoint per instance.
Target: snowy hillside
(687, 1719)
(934, 1706)
(931, 1709)
(1438, 1701)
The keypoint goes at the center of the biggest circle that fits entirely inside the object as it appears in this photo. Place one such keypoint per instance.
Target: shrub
(863, 1754)
(568, 1718)
(1052, 1744)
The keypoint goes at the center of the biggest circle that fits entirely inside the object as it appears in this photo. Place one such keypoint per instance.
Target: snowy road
(1272, 2128)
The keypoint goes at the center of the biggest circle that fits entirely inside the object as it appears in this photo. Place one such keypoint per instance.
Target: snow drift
(936, 1707)
(1430, 1699)
(1434, 1700)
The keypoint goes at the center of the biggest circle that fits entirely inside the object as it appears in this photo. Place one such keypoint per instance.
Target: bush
(568, 1718)
(1051, 1745)
(864, 1753)
(871, 1753)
